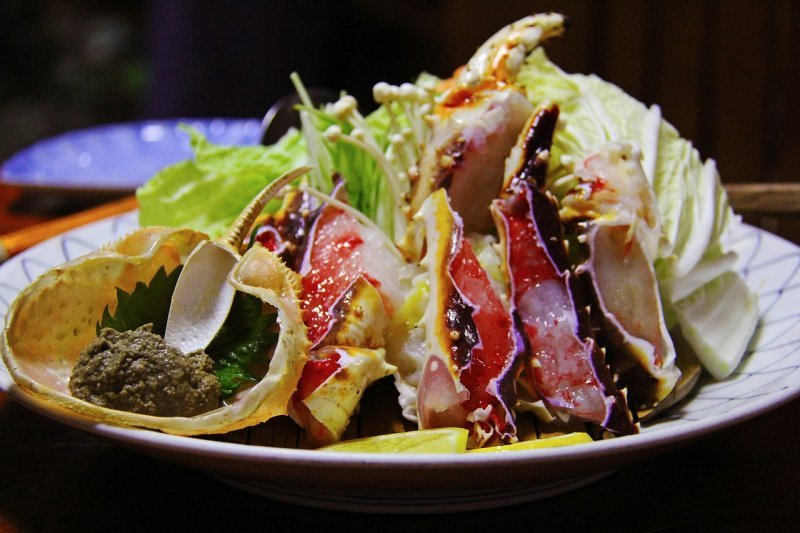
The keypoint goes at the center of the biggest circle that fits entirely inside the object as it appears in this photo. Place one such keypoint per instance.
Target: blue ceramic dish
(118, 157)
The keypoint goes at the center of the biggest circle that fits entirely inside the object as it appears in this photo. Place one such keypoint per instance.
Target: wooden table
(55, 478)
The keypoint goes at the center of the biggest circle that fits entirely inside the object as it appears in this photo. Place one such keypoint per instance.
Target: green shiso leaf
(242, 344)
(147, 303)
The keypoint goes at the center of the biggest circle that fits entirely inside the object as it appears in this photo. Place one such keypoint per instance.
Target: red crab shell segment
(349, 288)
(285, 232)
(565, 364)
(468, 379)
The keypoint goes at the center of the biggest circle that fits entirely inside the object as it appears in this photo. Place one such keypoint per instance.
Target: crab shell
(54, 318)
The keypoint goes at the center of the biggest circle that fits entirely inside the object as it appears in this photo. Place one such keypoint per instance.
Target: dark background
(725, 72)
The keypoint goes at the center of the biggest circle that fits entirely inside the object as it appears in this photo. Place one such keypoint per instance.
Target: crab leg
(469, 375)
(349, 289)
(333, 381)
(614, 211)
(340, 250)
(565, 365)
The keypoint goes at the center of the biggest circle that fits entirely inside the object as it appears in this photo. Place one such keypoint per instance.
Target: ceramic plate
(768, 377)
(118, 157)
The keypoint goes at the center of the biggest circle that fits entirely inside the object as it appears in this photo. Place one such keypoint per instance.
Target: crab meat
(639, 348)
(350, 286)
(613, 208)
(338, 252)
(358, 318)
(470, 140)
(612, 189)
(473, 347)
(565, 366)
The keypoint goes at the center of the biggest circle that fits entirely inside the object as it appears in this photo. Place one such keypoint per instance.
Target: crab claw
(502, 55)
(477, 121)
(203, 296)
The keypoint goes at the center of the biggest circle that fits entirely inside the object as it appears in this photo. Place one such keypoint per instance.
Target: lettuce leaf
(725, 300)
(207, 193)
(695, 213)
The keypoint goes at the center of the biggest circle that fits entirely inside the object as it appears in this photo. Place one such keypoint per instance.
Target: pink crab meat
(473, 133)
(340, 250)
(469, 379)
(488, 374)
(567, 367)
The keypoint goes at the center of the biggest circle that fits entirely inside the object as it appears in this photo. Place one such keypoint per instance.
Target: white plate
(768, 377)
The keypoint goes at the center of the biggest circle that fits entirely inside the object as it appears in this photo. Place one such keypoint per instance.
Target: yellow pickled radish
(440, 440)
(552, 442)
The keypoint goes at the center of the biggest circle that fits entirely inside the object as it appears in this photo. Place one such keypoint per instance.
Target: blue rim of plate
(118, 157)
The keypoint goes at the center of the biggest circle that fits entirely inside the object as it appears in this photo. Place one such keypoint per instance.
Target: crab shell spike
(203, 297)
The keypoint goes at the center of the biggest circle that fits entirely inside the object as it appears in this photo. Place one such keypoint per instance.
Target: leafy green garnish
(241, 344)
(209, 192)
(147, 303)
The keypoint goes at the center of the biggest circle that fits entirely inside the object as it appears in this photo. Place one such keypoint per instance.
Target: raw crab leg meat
(565, 365)
(339, 251)
(349, 288)
(469, 375)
